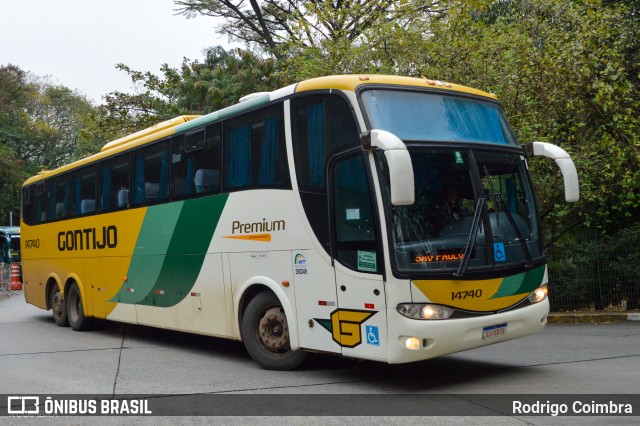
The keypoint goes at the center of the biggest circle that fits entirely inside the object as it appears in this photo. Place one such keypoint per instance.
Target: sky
(77, 43)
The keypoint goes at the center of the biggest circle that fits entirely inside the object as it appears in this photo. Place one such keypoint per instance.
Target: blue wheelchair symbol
(498, 252)
(372, 335)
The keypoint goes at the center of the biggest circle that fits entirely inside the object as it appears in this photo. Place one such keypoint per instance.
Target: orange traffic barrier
(15, 283)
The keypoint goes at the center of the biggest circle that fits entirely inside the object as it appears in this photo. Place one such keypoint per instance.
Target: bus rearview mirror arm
(399, 162)
(563, 160)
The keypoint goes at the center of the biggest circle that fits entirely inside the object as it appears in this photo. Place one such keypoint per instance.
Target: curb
(592, 317)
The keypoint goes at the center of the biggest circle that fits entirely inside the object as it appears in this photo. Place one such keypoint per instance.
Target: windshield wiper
(475, 225)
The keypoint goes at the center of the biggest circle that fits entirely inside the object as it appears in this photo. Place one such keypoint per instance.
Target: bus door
(359, 322)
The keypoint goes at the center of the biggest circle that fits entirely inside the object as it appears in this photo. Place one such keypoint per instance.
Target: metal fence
(595, 272)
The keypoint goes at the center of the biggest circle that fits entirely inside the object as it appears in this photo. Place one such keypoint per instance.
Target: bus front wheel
(265, 333)
(77, 320)
(58, 307)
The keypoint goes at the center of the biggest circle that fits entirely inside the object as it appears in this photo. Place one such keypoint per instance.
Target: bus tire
(75, 312)
(265, 333)
(58, 307)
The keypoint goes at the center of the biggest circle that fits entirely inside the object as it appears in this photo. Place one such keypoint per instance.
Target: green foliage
(567, 78)
(41, 126)
(194, 88)
(566, 72)
(590, 271)
(278, 25)
(12, 175)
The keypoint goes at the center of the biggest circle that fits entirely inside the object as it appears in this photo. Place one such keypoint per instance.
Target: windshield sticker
(459, 159)
(498, 252)
(353, 214)
(367, 261)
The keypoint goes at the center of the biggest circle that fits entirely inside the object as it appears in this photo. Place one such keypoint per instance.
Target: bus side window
(27, 210)
(86, 185)
(322, 125)
(114, 183)
(57, 198)
(195, 163)
(254, 151)
(40, 204)
(151, 174)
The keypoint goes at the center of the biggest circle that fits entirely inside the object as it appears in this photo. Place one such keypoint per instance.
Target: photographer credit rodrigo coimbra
(577, 408)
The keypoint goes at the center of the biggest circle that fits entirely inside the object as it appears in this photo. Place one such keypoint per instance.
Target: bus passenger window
(57, 198)
(114, 184)
(86, 186)
(151, 175)
(27, 210)
(322, 125)
(195, 163)
(254, 151)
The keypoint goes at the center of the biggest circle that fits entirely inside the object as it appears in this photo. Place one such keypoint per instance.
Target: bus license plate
(494, 331)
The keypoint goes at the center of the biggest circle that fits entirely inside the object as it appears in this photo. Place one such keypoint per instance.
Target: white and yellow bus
(377, 217)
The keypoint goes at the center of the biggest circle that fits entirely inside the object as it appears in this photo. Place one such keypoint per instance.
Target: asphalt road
(38, 357)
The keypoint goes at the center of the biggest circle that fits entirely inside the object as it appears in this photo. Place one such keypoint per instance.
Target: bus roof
(187, 122)
(352, 82)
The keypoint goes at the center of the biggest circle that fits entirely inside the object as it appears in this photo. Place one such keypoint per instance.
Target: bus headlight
(539, 294)
(424, 311)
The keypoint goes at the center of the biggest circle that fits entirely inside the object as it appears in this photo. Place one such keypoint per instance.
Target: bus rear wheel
(58, 307)
(265, 333)
(77, 320)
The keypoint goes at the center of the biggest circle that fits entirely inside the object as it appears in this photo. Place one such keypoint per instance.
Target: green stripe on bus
(525, 282)
(149, 253)
(170, 250)
(186, 252)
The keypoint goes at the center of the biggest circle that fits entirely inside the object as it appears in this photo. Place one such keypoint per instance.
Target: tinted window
(353, 215)
(436, 117)
(195, 163)
(57, 199)
(114, 183)
(151, 175)
(255, 152)
(322, 126)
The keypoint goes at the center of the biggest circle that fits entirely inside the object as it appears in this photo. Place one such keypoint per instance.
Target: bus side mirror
(398, 161)
(563, 160)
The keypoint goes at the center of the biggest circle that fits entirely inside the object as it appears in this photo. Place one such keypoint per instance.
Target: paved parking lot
(38, 357)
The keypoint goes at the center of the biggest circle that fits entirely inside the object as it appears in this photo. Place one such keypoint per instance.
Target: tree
(566, 72)
(194, 88)
(41, 126)
(12, 175)
(270, 24)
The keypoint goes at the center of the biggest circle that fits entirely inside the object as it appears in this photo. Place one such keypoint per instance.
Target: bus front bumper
(434, 338)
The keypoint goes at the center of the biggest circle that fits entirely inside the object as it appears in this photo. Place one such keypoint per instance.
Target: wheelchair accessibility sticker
(372, 335)
(498, 252)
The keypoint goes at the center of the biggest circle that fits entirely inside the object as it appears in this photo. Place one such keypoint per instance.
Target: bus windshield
(429, 116)
(454, 188)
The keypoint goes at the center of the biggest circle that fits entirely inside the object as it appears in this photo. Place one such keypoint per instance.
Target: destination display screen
(447, 255)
